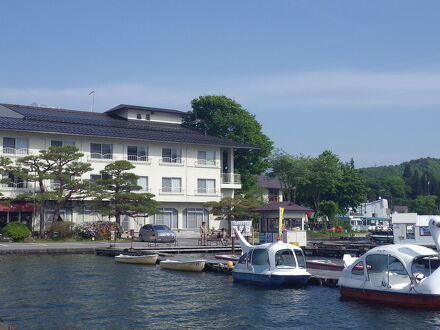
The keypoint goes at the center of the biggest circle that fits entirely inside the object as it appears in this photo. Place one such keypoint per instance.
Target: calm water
(86, 291)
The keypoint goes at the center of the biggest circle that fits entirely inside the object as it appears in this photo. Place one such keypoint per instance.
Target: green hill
(422, 165)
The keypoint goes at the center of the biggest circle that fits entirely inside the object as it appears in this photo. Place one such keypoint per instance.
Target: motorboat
(183, 265)
(272, 264)
(399, 274)
(149, 259)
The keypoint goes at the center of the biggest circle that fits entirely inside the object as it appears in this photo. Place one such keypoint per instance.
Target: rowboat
(138, 259)
(184, 266)
(399, 274)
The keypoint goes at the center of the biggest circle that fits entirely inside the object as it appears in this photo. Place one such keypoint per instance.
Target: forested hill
(422, 165)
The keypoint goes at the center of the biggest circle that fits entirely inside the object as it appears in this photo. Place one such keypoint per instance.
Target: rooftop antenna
(93, 100)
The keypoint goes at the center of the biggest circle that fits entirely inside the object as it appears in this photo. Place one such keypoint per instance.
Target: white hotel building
(182, 167)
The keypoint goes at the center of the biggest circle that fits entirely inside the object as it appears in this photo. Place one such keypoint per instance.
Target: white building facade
(182, 167)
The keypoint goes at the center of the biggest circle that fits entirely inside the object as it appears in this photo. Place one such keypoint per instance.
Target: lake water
(87, 291)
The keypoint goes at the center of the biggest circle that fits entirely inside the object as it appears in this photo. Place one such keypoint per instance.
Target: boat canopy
(406, 252)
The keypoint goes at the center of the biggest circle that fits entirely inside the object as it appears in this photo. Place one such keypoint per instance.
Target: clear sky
(359, 78)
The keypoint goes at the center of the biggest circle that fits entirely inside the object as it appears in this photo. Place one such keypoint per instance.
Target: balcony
(17, 185)
(99, 156)
(173, 161)
(206, 192)
(138, 159)
(14, 151)
(206, 163)
(231, 181)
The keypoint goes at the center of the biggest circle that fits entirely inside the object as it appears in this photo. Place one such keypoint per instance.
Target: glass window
(142, 181)
(101, 151)
(243, 259)
(424, 231)
(171, 155)
(137, 153)
(206, 157)
(59, 143)
(138, 116)
(410, 232)
(358, 269)
(386, 271)
(285, 258)
(260, 257)
(423, 266)
(95, 177)
(18, 146)
(206, 186)
(147, 116)
(300, 258)
(171, 185)
(168, 217)
(193, 217)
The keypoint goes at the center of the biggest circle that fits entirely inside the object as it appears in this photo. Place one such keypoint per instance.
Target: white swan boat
(183, 265)
(137, 259)
(400, 274)
(271, 264)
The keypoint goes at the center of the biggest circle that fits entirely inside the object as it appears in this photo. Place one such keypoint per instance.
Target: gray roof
(268, 182)
(138, 107)
(55, 120)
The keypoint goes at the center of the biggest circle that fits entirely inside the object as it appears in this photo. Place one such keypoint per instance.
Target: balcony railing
(230, 178)
(17, 185)
(171, 190)
(97, 155)
(14, 151)
(206, 163)
(136, 158)
(171, 161)
(206, 191)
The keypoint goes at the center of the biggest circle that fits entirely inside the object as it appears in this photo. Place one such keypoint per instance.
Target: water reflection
(84, 291)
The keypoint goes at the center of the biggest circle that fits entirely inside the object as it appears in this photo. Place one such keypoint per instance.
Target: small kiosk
(293, 222)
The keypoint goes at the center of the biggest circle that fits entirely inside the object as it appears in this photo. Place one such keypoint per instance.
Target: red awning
(17, 208)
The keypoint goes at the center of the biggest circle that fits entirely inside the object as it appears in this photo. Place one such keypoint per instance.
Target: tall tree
(120, 195)
(223, 117)
(424, 205)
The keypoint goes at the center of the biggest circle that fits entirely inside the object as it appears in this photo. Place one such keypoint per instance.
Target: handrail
(171, 160)
(14, 151)
(137, 158)
(97, 155)
(17, 185)
(204, 162)
(231, 178)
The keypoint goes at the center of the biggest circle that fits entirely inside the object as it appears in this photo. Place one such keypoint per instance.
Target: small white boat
(184, 266)
(138, 259)
(271, 264)
(399, 274)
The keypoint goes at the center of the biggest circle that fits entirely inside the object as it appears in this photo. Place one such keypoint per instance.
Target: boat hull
(271, 280)
(394, 298)
(190, 266)
(140, 260)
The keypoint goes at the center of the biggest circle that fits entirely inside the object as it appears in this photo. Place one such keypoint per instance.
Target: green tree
(351, 191)
(238, 208)
(328, 208)
(291, 171)
(118, 193)
(424, 205)
(223, 117)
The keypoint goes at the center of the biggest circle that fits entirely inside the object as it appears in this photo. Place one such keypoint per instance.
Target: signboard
(244, 227)
(262, 238)
(280, 224)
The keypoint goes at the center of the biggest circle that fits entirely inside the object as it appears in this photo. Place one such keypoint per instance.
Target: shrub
(98, 230)
(64, 229)
(16, 231)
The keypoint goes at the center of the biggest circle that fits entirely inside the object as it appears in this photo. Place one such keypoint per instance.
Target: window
(206, 157)
(143, 183)
(172, 185)
(96, 177)
(300, 258)
(206, 186)
(358, 269)
(285, 258)
(138, 116)
(273, 195)
(243, 259)
(260, 260)
(171, 155)
(410, 232)
(168, 217)
(15, 182)
(147, 116)
(101, 151)
(59, 143)
(16, 146)
(137, 153)
(386, 271)
(55, 184)
(193, 217)
(424, 231)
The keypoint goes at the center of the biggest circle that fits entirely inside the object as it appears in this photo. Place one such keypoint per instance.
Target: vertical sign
(280, 225)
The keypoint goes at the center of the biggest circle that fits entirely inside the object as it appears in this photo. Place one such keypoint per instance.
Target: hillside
(431, 165)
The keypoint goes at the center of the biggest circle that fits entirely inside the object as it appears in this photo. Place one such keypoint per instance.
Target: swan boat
(137, 259)
(399, 274)
(272, 264)
(184, 266)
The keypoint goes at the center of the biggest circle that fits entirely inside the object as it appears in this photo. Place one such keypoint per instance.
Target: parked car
(157, 233)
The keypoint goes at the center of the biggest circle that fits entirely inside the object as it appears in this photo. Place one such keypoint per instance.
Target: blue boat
(272, 264)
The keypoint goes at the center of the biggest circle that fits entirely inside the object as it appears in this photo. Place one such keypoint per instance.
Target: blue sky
(360, 78)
